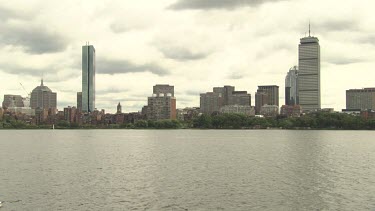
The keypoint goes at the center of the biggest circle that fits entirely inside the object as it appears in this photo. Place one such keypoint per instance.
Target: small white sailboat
(1, 203)
(53, 126)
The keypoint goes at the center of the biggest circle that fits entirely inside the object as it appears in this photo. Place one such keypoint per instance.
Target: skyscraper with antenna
(309, 73)
(88, 78)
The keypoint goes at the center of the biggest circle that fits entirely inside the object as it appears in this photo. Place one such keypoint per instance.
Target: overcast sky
(191, 44)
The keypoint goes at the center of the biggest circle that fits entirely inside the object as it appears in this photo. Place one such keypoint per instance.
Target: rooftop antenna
(309, 28)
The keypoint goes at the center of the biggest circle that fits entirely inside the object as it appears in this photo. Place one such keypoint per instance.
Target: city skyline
(229, 44)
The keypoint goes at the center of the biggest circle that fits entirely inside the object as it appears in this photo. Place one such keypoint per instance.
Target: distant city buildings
(261, 99)
(291, 110)
(240, 98)
(211, 102)
(187, 114)
(266, 95)
(291, 87)
(119, 108)
(362, 99)
(42, 97)
(369, 114)
(269, 110)
(88, 78)
(71, 114)
(1, 114)
(162, 104)
(79, 101)
(238, 109)
(309, 73)
(13, 101)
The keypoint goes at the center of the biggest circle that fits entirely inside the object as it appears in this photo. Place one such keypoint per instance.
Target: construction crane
(26, 100)
(27, 94)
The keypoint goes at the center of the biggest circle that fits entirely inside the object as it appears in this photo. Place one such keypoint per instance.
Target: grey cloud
(119, 28)
(34, 40)
(31, 38)
(280, 45)
(337, 25)
(330, 25)
(236, 75)
(64, 104)
(116, 99)
(112, 67)
(193, 93)
(111, 91)
(67, 90)
(20, 70)
(6, 14)
(343, 60)
(50, 73)
(217, 4)
(367, 40)
(182, 54)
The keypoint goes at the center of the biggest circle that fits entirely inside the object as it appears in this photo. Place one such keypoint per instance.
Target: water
(187, 170)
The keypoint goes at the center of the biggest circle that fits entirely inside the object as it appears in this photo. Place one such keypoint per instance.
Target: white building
(269, 110)
(238, 109)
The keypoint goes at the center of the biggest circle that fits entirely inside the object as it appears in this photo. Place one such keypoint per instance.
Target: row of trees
(223, 121)
(313, 121)
(150, 124)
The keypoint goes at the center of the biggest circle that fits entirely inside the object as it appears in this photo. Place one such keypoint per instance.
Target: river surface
(187, 170)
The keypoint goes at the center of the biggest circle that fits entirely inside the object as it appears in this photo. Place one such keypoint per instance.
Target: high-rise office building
(162, 104)
(70, 114)
(291, 88)
(272, 92)
(240, 98)
(211, 102)
(309, 73)
(88, 78)
(163, 89)
(226, 93)
(362, 99)
(43, 98)
(261, 99)
(17, 100)
(119, 108)
(79, 101)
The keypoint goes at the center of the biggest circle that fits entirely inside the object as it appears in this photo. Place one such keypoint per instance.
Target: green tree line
(311, 121)
(336, 121)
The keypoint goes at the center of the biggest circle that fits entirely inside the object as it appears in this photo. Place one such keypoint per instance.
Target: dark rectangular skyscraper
(272, 92)
(79, 101)
(88, 78)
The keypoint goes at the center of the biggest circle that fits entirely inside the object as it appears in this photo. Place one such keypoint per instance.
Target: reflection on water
(187, 170)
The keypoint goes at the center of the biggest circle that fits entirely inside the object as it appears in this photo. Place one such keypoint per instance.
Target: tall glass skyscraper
(291, 91)
(88, 78)
(309, 73)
